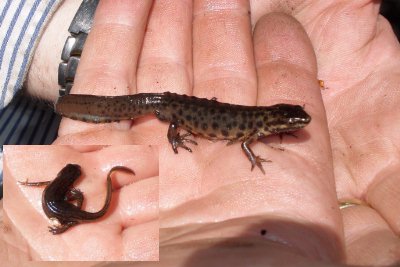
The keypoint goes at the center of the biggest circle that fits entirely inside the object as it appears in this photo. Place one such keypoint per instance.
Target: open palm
(210, 199)
(359, 57)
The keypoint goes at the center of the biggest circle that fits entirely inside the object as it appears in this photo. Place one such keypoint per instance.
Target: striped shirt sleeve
(21, 23)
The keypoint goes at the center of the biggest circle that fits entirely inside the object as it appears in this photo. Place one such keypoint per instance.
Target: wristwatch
(71, 53)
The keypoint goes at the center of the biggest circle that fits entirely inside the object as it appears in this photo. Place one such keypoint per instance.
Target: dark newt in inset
(199, 116)
(59, 193)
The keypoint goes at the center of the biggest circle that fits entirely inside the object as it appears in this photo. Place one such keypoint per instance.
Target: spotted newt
(58, 195)
(198, 116)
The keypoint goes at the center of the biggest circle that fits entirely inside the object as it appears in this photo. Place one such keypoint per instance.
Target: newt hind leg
(177, 140)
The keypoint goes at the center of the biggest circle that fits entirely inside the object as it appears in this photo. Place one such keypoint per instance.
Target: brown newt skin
(199, 116)
(58, 194)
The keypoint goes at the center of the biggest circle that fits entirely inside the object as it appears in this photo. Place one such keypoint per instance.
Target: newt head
(285, 118)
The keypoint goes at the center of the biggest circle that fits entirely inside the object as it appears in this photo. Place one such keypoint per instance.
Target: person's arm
(21, 25)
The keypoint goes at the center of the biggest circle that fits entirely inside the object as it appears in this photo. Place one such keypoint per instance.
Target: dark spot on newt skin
(239, 134)
(204, 126)
(242, 126)
(189, 117)
(224, 132)
(215, 125)
(259, 124)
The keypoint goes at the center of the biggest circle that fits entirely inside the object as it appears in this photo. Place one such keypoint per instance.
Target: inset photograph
(82, 203)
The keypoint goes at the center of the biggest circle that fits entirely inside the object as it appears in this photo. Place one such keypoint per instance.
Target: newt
(198, 116)
(59, 193)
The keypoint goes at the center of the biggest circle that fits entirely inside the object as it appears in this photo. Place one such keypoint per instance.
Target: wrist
(42, 76)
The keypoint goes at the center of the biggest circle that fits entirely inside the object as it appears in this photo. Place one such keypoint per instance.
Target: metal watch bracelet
(71, 53)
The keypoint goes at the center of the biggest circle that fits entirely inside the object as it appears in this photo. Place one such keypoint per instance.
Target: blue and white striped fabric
(21, 24)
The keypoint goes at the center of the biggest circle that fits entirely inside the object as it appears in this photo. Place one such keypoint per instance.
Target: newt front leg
(177, 140)
(255, 160)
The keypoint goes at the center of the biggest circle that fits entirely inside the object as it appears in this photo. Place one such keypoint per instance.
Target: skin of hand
(209, 199)
(128, 231)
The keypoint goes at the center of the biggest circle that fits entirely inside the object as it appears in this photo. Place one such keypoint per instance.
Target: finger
(109, 60)
(166, 59)
(223, 61)
(142, 160)
(137, 203)
(287, 74)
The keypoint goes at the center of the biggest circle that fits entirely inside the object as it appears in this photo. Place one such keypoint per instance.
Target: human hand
(224, 69)
(358, 58)
(128, 231)
(223, 66)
